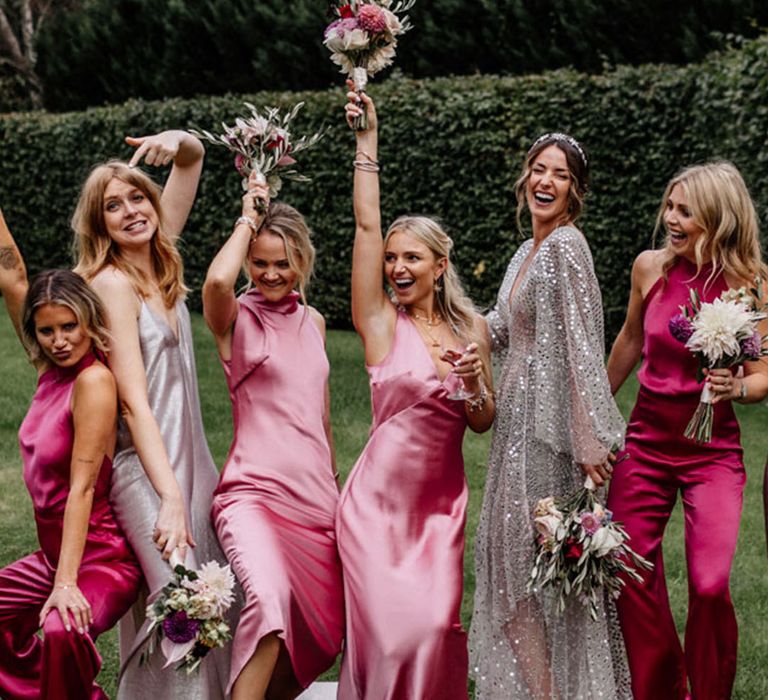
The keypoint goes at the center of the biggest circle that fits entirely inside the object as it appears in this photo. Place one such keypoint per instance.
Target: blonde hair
(577, 169)
(285, 221)
(451, 301)
(720, 204)
(95, 249)
(63, 288)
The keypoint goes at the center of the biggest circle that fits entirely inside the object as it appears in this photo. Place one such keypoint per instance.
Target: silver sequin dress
(554, 409)
(169, 363)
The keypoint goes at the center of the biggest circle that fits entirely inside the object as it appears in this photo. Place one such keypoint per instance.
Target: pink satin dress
(275, 505)
(710, 479)
(63, 665)
(400, 528)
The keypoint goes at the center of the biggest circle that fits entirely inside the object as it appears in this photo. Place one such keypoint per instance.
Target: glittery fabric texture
(554, 410)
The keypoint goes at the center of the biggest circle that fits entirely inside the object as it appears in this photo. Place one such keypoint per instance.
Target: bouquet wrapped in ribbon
(580, 550)
(263, 143)
(721, 334)
(188, 615)
(363, 37)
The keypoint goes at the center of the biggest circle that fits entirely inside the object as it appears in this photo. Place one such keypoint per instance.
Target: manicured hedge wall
(451, 147)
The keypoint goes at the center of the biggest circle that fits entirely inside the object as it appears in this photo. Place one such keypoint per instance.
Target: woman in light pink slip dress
(402, 512)
(275, 505)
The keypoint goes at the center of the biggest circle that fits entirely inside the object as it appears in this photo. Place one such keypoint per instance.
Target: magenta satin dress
(400, 528)
(276, 501)
(63, 665)
(710, 480)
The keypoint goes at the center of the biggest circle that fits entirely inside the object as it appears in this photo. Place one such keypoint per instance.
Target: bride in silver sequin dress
(556, 421)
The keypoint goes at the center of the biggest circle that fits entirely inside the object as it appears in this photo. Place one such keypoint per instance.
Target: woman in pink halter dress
(84, 577)
(710, 477)
(402, 512)
(275, 505)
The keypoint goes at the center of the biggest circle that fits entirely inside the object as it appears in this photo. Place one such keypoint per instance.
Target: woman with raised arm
(402, 511)
(557, 423)
(712, 244)
(126, 228)
(84, 577)
(275, 505)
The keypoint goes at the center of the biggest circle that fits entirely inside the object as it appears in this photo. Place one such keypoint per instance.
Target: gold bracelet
(65, 586)
(367, 165)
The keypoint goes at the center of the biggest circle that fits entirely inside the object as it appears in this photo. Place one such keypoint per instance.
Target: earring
(436, 286)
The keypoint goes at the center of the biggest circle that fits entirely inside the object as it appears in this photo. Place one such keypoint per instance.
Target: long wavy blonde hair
(720, 204)
(451, 301)
(95, 249)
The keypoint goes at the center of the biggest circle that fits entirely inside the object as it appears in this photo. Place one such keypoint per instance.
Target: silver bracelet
(366, 165)
(248, 221)
(477, 402)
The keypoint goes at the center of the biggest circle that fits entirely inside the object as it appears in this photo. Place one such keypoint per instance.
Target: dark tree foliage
(112, 50)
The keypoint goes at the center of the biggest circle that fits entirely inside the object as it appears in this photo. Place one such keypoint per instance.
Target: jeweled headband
(557, 136)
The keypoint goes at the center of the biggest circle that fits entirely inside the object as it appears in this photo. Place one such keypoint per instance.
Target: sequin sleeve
(574, 410)
(498, 317)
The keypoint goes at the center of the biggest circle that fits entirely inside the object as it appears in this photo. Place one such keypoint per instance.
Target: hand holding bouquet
(581, 550)
(721, 334)
(188, 615)
(363, 38)
(262, 143)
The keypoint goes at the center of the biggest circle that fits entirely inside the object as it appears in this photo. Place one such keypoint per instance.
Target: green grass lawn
(351, 416)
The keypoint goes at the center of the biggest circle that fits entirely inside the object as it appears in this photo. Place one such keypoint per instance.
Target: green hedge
(451, 147)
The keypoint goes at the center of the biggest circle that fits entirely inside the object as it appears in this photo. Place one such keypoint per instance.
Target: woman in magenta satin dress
(402, 512)
(275, 505)
(84, 577)
(712, 244)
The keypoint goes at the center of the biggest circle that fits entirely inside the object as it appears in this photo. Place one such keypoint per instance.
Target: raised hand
(157, 149)
(355, 106)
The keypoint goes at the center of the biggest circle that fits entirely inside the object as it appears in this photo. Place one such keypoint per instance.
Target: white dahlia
(718, 328)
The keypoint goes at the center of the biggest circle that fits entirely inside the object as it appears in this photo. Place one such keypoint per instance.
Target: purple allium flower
(752, 346)
(590, 522)
(680, 328)
(179, 628)
(372, 19)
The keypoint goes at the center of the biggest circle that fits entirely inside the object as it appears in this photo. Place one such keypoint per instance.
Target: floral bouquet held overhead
(721, 334)
(363, 38)
(263, 143)
(188, 615)
(581, 551)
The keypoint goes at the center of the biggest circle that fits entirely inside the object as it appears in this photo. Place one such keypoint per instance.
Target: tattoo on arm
(8, 257)
(85, 461)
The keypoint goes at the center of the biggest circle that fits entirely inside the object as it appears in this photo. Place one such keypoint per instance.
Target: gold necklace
(428, 321)
(429, 324)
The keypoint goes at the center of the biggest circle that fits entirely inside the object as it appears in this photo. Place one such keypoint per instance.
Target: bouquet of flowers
(721, 334)
(363, 36)
(188, 615)
(262, 142)
(581, 550)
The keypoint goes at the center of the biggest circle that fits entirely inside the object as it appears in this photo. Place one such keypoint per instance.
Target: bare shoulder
(648, 265)
(115, 287)
(96, 378)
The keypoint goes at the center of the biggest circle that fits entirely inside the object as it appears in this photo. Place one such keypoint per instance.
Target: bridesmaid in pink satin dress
(402, 512)
(84, 577)
(275, 505)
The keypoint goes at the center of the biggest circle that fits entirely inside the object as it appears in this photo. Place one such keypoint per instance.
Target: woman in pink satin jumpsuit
(711, 245)
(275, 504)
(402, 512)
(84, 577)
